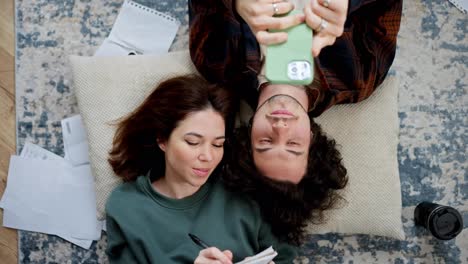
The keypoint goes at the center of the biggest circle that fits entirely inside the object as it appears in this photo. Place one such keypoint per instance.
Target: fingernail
(301, 17)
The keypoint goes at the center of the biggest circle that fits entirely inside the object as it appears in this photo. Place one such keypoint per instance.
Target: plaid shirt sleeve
(359, 61)
(224, 50)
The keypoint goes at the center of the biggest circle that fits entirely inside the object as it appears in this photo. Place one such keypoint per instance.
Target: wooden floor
(8, 237)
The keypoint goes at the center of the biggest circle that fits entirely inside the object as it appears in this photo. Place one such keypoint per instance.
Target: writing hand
(213, 255)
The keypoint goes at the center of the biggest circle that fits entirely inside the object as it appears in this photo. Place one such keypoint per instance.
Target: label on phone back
(299, 70)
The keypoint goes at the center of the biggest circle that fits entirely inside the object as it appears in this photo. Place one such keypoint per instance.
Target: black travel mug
(444, 222)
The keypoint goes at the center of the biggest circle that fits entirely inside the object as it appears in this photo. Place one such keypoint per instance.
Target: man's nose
(280, 124)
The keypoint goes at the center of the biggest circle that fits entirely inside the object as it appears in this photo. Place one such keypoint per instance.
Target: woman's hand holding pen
(213, 255)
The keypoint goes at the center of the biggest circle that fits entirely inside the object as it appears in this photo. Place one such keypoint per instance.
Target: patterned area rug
(431, 63)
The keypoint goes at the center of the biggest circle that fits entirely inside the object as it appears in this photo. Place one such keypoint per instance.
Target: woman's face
(194, 148)
(281, 134)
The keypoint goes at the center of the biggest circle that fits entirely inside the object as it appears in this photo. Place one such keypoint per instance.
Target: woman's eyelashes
(218, 144)
(192, 143)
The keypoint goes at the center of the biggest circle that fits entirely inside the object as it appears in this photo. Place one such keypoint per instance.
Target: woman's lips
(201, 172)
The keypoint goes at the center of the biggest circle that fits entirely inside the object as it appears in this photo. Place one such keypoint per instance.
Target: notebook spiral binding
(149, 10)
(458, 5)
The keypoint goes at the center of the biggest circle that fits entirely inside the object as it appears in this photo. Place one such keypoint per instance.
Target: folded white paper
(141, 30)
(75, 140)
(264, 257)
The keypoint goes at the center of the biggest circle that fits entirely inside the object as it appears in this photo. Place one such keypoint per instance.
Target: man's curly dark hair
(286, 206)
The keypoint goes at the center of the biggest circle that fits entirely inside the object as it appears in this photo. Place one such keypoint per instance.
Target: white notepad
(140, 30)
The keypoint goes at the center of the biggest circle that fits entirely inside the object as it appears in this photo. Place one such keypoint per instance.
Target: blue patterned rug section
(431, 63)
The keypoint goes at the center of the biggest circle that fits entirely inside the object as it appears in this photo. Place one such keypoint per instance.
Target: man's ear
(162, 145)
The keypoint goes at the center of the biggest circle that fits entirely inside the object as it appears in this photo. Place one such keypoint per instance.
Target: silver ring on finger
(323, 25)
(326, 3)
(275, 9)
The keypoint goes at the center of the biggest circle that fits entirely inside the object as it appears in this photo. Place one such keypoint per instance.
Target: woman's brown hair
(135, 150)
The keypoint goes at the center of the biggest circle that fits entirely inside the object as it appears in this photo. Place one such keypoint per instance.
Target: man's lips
(281, 112)
(201, 172)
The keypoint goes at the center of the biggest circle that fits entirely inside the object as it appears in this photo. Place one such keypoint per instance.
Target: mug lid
(445, 223)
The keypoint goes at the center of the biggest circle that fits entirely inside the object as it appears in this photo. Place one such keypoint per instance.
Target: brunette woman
(167, 151)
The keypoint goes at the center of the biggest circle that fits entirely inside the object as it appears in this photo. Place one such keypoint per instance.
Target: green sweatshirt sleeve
(118, 250)
(286, 253)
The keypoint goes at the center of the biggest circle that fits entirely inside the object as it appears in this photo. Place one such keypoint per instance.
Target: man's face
(281, 133)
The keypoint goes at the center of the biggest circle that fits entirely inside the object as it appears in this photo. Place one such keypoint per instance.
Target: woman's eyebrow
(200, 136)
(193, 134)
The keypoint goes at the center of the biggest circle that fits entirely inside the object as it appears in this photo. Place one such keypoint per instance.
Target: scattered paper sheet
(35, 152)
(78, 202)
(104, 225)
(141, 30)
(23, 222)
(75, 140)
(33, 180)
(263, 257)
(46, 194)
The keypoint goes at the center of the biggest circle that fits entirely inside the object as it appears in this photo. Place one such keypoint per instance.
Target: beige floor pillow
(108, 88)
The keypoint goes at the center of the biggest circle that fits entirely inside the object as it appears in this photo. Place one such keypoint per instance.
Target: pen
(198, 241)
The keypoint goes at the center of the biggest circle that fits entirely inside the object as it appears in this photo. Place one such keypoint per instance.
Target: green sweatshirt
(144, 226)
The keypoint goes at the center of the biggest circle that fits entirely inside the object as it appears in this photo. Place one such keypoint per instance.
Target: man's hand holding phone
(267, 21)
(262, 16)
(327, 19)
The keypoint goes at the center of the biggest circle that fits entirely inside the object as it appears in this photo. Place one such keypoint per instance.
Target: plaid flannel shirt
(224, 50)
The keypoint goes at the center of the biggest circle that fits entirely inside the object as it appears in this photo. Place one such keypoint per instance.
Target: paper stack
(50, 194)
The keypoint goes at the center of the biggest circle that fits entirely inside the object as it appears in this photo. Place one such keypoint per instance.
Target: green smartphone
(291, 62)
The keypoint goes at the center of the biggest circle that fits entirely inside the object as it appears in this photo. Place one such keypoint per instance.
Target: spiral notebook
(460, 4)
(139, 30)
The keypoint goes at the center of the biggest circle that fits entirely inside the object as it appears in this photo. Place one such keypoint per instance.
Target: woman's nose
(206, 155)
